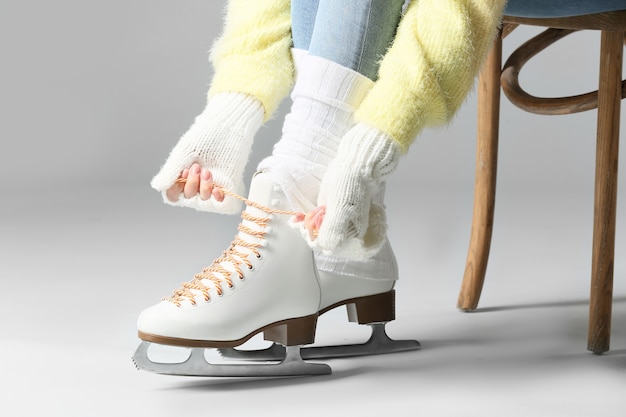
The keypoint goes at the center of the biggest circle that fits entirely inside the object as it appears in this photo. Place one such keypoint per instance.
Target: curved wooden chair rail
(543, 105)
(607, 99)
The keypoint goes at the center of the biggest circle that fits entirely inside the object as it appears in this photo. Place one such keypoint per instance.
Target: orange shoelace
(236, 255)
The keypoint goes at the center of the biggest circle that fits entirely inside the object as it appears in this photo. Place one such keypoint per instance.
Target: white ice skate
(265, 282)
(367, 301)
(244, 293)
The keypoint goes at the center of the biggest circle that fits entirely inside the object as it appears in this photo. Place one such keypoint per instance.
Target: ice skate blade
(196, 365)
(378, 344)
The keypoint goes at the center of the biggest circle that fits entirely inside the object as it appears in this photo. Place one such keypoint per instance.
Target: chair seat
(561, 8)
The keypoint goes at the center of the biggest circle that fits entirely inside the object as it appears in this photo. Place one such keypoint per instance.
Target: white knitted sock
(324, 99)
(220, 140)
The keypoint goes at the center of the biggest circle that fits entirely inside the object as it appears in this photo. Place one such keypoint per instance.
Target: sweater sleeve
(253, 54)
(431, 66)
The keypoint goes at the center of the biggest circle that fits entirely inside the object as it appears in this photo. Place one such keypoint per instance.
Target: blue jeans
(353, 33)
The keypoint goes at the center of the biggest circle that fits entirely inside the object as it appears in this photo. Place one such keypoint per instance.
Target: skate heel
(379, 308)
(292, 332)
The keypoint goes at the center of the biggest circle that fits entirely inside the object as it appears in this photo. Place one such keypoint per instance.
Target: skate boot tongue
(258, 210)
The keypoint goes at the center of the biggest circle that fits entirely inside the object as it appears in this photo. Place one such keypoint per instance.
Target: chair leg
(485, 182)
(605, 195)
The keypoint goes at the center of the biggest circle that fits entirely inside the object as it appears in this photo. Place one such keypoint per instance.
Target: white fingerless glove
(353, 226)
(219, 140)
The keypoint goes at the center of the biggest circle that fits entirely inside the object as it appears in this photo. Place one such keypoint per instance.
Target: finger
(218, 194)
(310, 220)
(311, 214)
(193, 181)
(174, 191)
(318, 219)
(206, 184)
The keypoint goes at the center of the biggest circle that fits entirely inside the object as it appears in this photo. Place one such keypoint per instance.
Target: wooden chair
(561, 18)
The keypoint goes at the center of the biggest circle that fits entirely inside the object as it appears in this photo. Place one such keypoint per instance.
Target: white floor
(76, 275)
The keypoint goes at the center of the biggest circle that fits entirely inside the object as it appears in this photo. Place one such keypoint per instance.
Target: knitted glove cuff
(219, 140)
(354, 227)
(370, 151)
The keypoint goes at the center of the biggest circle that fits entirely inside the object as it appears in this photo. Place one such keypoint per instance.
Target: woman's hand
(195, 181)
(214, 150)
(312, 221)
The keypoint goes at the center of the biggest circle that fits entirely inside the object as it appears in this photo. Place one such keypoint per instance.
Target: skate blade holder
(290, 365)
(379, 343)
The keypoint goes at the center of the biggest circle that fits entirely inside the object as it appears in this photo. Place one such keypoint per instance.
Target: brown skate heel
(374, 310)
(293, 332)
(379, 308)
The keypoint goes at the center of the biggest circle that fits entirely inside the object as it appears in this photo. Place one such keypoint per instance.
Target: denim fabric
(303, 13)
(352, 33)
(561, 8)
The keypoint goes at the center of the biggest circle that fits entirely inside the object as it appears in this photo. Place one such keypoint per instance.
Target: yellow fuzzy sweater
(423, 79)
